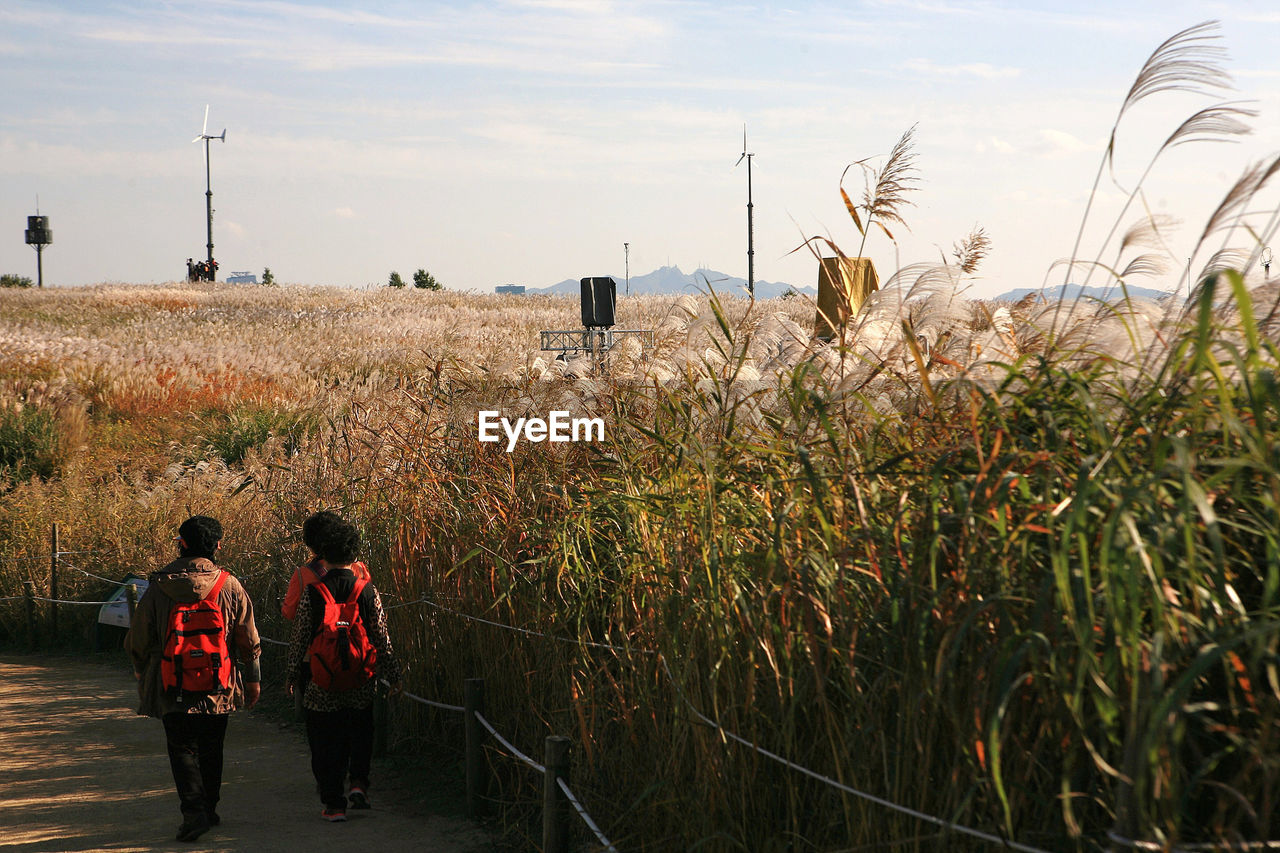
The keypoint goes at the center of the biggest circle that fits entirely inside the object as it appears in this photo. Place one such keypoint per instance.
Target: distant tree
(426, 281)
(395, 280)
(10, 280)
(268, 280)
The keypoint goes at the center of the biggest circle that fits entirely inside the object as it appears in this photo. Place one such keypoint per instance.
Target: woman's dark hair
(332, 538)
(200, 536)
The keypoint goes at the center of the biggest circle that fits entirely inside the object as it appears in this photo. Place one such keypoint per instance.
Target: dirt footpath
(80, 771)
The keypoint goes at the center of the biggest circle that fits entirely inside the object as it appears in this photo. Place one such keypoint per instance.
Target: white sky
(523, 142)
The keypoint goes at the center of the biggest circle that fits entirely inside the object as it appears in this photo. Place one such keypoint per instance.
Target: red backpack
(342, 658)
(195, 657)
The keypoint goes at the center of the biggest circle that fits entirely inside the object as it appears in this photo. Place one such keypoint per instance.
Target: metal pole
(555, 806)
(208, 203)
(53, 579)
(751, 252)
(626, 251)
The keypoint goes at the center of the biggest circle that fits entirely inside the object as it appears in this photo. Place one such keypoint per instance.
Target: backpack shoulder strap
(361, 583)
(323, 589)
(216, 590)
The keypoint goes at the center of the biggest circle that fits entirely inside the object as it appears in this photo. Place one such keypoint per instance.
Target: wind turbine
(751, 252)
(208, 184)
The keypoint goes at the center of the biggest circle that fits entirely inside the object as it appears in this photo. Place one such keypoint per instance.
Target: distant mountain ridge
(671, 279)
(1076, 291)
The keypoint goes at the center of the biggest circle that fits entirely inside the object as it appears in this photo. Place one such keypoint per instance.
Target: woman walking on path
(340, 623)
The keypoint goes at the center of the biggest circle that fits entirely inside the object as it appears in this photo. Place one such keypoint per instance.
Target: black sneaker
(193, 828)
(359, 799)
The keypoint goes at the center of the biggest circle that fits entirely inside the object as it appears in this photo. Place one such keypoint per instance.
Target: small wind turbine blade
(205, 129)
(739, 163)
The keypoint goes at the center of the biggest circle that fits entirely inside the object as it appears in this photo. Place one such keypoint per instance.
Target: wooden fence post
(131, 594)
(53, 581)
(477, 777)
(555, 805)
(29, 592)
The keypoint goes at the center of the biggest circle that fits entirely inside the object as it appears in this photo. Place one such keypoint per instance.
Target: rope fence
(1242, 846)
(509, 747)
(556, 790)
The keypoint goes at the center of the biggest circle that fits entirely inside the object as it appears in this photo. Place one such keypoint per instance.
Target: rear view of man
(191, 634)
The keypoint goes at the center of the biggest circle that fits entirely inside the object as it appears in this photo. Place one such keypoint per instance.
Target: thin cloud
(981, 70)
(1058, 143)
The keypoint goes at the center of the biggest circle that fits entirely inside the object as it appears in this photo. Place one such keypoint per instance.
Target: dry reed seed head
(1218, 123)
(1188, 61)
(1249, 184)
(1148, 232)
(970, 251)
(1147, 264)
(885, 194)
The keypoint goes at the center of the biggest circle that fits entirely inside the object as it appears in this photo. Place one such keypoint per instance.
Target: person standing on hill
(341, 627)
(191, 634)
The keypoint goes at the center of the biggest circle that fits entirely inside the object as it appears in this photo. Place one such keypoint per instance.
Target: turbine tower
(208, 184)
(751, 252)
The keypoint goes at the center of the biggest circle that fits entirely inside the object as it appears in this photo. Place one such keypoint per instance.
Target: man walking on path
(222, 633)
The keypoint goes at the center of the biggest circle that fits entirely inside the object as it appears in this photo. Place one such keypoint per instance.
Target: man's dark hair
(332, 538)
(200, 536)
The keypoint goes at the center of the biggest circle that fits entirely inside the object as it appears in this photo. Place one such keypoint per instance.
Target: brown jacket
(184, 580)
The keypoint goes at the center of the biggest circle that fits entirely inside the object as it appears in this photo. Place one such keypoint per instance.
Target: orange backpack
(342, 658)
(195, 657)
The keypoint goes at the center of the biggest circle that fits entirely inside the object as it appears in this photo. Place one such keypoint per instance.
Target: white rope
(586, 818)
(92, 575)
(441, 705)
(995, 839)
(517, 753)
(1116, 838)
(421, 700)
(64, 601)
(529, 633)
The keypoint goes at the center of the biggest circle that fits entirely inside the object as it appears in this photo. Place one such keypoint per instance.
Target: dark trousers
(195, 756)
(341, 742)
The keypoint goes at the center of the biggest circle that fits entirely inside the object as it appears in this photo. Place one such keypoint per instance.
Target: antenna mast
(208, 186)
(751, 252)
